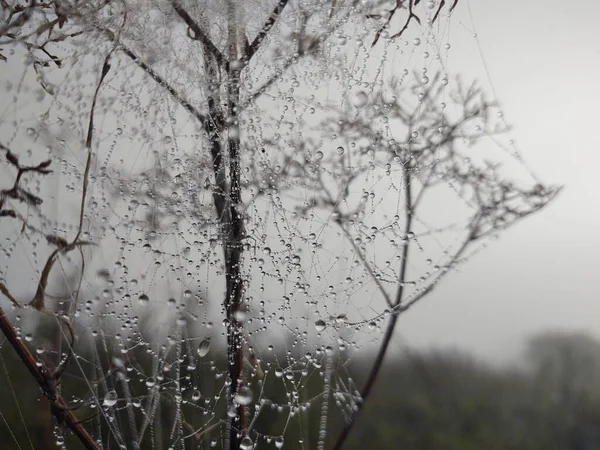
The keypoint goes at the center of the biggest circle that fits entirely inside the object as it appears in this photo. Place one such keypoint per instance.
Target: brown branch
(411, 16)
(59, 406)
(437, 13)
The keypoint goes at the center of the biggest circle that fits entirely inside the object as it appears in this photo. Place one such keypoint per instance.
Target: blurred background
(506, 354)
(542, 60)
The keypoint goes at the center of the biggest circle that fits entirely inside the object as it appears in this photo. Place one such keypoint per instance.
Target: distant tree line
(424, 400)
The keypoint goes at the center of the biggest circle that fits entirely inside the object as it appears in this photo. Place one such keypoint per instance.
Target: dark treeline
(431, 400)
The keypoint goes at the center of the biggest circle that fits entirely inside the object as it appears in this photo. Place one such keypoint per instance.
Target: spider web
(333, 132)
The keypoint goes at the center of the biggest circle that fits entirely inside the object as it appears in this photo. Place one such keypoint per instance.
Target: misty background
(543, 69)
(544, 62)
(468, 346)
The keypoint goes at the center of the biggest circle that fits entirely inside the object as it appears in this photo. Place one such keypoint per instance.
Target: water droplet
(341, 319)
(167, 140)
(243, 396)
(196, 395)
(110, 399)
(103, 275)
(143, 299)
(246, 444)
(339, 150)
(360, 99)
(320, 325)
(319, 155)
(203, 347)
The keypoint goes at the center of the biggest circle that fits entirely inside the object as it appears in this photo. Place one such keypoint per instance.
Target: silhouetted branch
(200, 35)
(59, 407)
(251, 50)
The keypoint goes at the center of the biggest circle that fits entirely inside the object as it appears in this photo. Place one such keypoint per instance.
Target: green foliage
(435, 400)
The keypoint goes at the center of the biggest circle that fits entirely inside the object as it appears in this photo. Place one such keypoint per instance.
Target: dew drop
(203, 347)
(110, 399)
(243, 396)
(320, 325)
(360, 99)
(246, 444)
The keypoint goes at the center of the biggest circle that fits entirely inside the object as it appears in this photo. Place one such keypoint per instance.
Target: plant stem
(389, 331)
(58, 406)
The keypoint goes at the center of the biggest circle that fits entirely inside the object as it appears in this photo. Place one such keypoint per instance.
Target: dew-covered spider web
(367, 171)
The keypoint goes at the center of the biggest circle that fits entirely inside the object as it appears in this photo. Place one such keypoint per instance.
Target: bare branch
(251, 50)
(200, 35)
(59, 406)
(156, 77)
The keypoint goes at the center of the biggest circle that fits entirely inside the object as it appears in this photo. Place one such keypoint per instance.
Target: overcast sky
(544, 61)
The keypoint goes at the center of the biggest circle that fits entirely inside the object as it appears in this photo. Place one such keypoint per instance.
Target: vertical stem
(389, 331)
(233, 242)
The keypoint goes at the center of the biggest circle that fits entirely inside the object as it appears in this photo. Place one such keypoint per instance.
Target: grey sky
(544, 62)
(543, 59)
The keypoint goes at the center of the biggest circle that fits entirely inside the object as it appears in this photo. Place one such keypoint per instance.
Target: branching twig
(200, 35)
(376, 367)
(251, 50)
(59, 407)
(155, 76)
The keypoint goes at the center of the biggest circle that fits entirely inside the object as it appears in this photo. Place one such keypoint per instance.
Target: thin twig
(155, 76)
(200, 35)
(378, 363)
(59, 406)
(251, 50)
